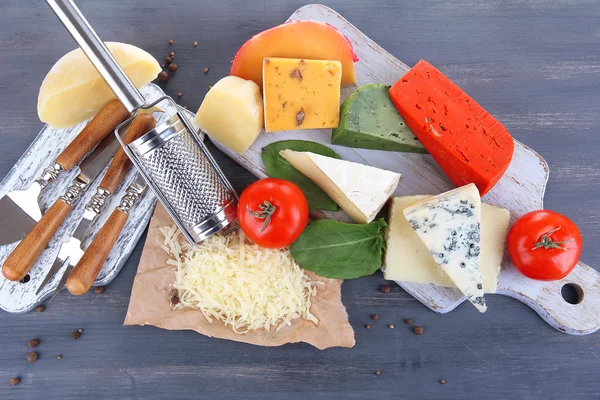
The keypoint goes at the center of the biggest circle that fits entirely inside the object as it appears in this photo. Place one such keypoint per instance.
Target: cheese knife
(86, 270)
(71, 251)
(20, 209)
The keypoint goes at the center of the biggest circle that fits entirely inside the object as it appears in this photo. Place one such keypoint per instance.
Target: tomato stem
(265, 211)
(547, 243)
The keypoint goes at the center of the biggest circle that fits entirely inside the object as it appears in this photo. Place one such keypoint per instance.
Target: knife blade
(72, 250)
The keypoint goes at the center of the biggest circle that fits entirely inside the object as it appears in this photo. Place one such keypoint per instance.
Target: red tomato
(544, 245)
(273, 212)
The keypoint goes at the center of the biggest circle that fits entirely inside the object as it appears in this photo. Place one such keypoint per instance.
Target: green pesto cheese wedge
(369, 120)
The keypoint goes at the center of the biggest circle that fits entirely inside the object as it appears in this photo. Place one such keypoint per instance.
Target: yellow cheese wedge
(407, 259)
(301, 94)
(74, 91)
(232, 113)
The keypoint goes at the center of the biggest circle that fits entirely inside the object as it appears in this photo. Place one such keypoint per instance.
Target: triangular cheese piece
(450, 227)
(360, 190)
(408, 260)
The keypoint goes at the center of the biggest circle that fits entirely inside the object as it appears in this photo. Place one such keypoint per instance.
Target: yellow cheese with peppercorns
(301, 94)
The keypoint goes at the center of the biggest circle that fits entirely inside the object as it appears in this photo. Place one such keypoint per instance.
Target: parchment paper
(149, 304)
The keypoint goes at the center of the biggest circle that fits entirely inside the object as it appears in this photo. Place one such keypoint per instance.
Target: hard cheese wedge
(469, 144)
(369, 120)
(232, 113)
(301, 94)
(360, 190)
(74, 91)
(407, 259)
(449, 227)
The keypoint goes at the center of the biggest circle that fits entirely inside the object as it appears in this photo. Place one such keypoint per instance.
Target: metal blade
(59, 262)
(140, 182)
(61, 284)
(95, 162)
(19, 212)
(70, 252)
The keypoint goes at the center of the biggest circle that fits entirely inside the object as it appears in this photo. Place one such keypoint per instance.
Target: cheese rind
(232, 113)
(360, 190)
(407, 259)
(301, 94)
(73, 90)
(450, 227)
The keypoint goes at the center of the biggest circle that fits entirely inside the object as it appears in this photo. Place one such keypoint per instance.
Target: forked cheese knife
(71, 251)
(84, 274)
(20, 209)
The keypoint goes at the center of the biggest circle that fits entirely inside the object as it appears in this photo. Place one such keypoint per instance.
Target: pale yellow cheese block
(232, 113)
(407, 259)
(73, 91)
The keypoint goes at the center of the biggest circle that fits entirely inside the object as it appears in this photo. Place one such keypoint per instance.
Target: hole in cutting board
(572, 293)
(25, 279)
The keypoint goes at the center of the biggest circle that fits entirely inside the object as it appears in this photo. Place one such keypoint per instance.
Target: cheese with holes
(73, 91)
(301, 94)
(232, 113)
(232, 280)
(449, 225)
(360, 190)
(408, 260)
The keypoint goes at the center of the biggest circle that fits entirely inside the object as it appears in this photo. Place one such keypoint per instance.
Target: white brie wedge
(360, 190)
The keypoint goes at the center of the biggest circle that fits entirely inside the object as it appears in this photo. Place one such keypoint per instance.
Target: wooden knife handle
(119, 166)
(20, 261)
(103, 124)
(85, 272)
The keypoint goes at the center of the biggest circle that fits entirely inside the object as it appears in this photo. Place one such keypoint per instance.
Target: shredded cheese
(233, 280)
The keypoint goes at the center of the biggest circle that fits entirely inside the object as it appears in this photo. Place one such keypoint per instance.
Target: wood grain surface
(534, 64)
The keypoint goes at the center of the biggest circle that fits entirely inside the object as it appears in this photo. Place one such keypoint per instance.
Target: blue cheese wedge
(408, 260)
(360, 190)
(449, 225)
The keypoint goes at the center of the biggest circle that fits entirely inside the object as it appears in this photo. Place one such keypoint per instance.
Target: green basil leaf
(343, 251)
(278, 167)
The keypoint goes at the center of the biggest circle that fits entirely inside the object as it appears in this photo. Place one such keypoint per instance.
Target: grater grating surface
(187, 179)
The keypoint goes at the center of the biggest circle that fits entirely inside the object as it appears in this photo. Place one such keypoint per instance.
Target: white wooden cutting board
(520, 190)
(19, 297)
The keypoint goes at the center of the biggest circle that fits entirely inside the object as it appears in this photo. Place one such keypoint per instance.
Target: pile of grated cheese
(238, 282)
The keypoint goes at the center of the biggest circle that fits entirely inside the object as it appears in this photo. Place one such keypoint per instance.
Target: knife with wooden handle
(85, 272)
(103, 124)
(20, 261)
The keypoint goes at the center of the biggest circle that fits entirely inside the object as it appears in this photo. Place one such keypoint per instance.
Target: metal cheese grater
(185, 177)
(171, 158)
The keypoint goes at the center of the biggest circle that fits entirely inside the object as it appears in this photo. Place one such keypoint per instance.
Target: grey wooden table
(534, 64)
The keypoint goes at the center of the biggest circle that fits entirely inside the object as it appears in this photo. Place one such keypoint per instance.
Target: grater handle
(97, 53)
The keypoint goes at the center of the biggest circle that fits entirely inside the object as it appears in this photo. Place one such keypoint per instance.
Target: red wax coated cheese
(469, 144)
